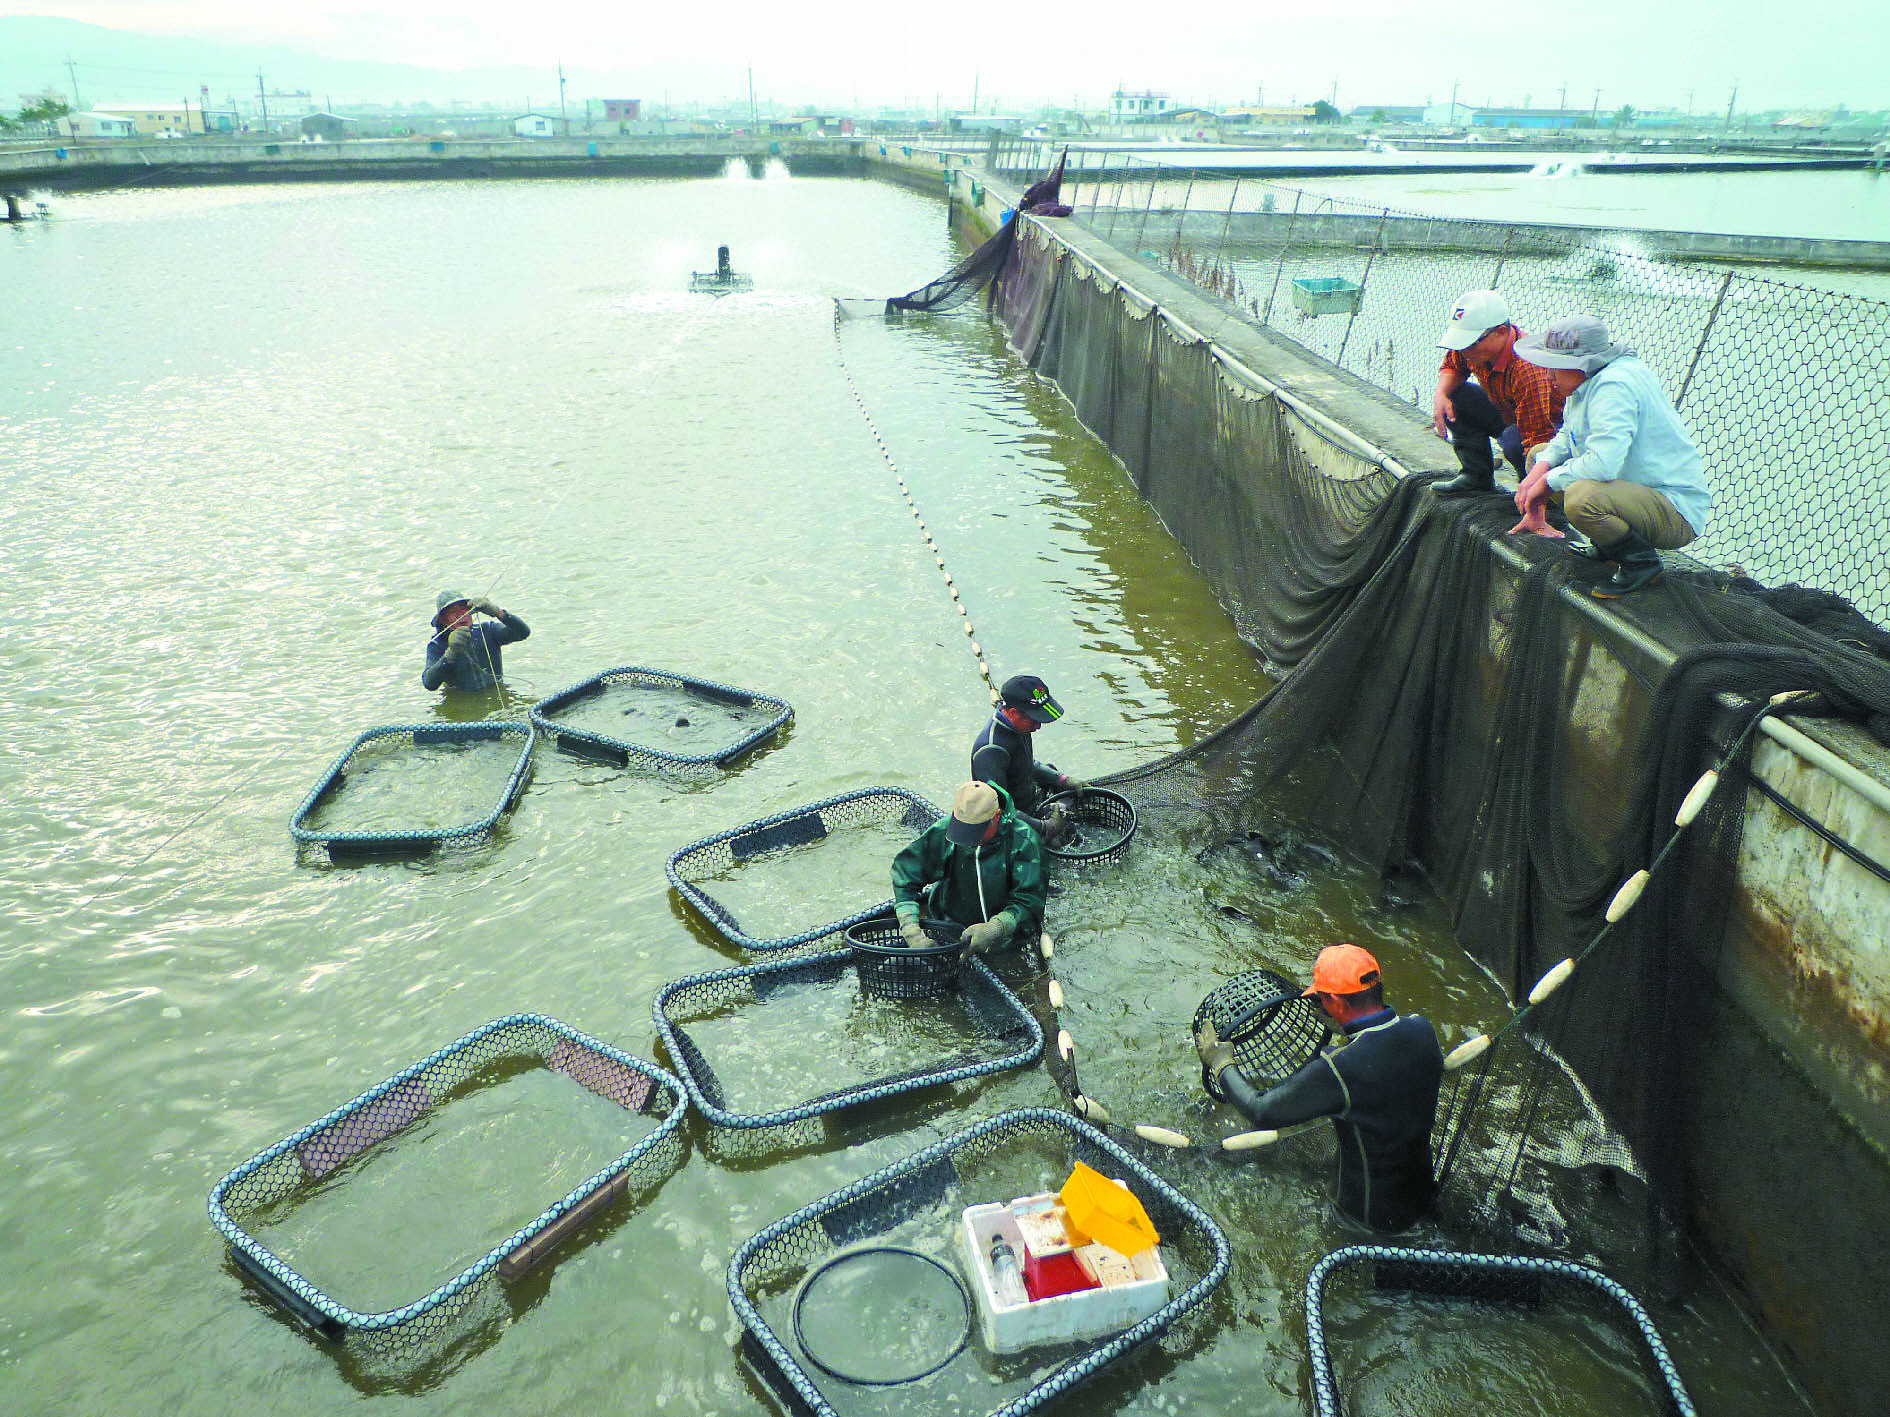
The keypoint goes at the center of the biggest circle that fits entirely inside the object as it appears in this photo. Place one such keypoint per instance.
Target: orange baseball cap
(1343, 969)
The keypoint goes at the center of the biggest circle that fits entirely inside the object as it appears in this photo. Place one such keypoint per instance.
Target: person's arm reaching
(1450, 375)
(1614, 418)
(1314, 1091)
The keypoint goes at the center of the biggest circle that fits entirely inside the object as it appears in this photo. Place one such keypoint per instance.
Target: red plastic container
(1053, 1275)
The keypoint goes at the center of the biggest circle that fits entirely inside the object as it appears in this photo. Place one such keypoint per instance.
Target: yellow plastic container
(1107, 1212)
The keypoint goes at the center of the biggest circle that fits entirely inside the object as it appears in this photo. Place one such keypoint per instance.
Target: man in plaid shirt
(1511, 401)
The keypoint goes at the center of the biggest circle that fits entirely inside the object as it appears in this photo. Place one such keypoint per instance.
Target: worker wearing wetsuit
(1379, 1089)
(1002, 754)
(462, 655)
(981, 868)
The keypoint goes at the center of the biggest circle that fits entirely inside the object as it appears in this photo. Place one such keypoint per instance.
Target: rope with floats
(1623, 901)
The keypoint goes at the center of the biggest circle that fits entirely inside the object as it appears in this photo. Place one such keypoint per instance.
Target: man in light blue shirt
(1627, 471)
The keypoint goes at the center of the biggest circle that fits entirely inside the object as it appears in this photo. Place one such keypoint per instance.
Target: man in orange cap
(1379, 1089)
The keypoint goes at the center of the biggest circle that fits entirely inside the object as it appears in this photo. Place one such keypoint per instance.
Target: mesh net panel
(434, 785)
(1346, 1286)
(1274, 1029)
(1456, 698)
(694, 870)
(918, 1202)
(784, 1033)
(1102, 824)
(417, 1339)
(614, 718)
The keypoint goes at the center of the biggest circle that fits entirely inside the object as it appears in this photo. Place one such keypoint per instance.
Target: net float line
(931, 544)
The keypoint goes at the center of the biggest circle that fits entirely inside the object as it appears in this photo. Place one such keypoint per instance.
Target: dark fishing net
(1453, 696)
(978, 272)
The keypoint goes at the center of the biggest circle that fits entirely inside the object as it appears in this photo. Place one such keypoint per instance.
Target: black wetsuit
(1002, 756)
(1380, 1090)
(480, 667)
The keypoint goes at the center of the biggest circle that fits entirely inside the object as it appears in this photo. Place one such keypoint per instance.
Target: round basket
(1275, 1029)
(882, 1315)
(889, 968)
(1102, 823)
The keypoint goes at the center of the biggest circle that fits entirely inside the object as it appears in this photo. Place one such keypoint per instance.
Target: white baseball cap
(1476, 313)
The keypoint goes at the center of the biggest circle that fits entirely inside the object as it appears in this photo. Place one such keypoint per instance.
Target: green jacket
(1010, 867)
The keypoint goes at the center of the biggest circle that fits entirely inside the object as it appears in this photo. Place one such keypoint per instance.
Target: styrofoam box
(1086, 1314)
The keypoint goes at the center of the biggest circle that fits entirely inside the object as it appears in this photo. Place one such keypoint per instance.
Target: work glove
(1056, 826)
(983, 938)
(1066, 783)
(458, 643)
(914, 937)
(486, 607)
(1216, 1056)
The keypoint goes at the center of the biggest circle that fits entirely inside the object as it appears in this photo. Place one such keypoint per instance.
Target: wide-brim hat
(974, 807)
(447, 600)
(1574, 342)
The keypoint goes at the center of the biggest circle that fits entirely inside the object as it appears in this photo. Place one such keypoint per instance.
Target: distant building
(329, 127)
(149, 119)
(1402, 113)
(1253, 115)
(985, 123)
(96, 125)
(622, 110)
(1124, 105)
(534, 125)
(1523, 118)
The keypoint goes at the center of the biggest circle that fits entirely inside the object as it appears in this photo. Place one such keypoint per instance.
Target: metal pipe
(1700, 348)
(1819, 756)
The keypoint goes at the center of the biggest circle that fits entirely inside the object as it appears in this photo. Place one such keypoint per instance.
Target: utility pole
(1453, 104)
(1689, 103)
(1595, 110)
(1729, 107)
(753, 122)
(563, 121)
(264, 97)
(974, 95)
(73, 70)
(1562, 102)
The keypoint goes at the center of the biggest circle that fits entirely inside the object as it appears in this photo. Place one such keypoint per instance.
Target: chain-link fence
(1781, 384)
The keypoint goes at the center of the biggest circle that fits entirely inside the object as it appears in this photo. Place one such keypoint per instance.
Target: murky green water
(249, 433)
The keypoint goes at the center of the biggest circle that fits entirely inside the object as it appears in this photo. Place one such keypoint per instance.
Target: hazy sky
(1817, 52)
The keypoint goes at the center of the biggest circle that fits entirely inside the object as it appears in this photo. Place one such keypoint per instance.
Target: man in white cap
(462, 655)
(1626, 468)
(980, 868)
(1512, 400)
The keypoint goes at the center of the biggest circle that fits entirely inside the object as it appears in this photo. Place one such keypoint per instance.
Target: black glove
(458, 643)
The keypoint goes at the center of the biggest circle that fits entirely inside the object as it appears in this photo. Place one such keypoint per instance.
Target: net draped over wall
(1780, 384)
(1528, 749)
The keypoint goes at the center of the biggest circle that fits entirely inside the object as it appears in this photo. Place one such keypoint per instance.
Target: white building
(535, 125)
(1124, 105)
(96, 125)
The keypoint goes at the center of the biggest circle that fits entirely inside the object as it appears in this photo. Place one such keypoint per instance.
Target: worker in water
(464, 655)
(980, 868)
(1512, 401)
(1379, 1089)
(1627, 471)
(1002, 754)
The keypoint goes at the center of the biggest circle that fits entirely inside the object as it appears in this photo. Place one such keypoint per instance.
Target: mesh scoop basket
(889, 968)
(1275, 1029)
(1102, 823)
(1393, 1275)
(920, 1200)
(285, 1175)
(396, 843)
(598, 746)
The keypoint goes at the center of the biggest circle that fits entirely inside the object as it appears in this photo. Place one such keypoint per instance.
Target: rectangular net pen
(656, 720)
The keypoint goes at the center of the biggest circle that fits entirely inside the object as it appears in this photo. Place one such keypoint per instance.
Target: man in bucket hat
(980, 868)
(1002, 754)
(462, 655)
(1380, 1090)
(1512, 400)
(1624, 465)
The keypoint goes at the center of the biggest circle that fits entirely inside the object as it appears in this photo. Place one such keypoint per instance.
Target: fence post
(1700, 348)
(1509, 235)
(1181, 226)
(1095, 191)
(1266, 317)
(1221, 245)
(1115, 206)
(1154, 177)
(1364, 280)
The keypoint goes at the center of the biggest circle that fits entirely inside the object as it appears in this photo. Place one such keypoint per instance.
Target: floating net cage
(918, 1203)
(657, 720)
(879, 820)
(1101, 822)
(759, 1047)
(1477, 1287)
(329, 1162)
(1274, 1028)
(889, 968)
(369, 805)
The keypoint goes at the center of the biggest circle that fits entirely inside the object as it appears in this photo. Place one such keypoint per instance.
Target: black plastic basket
(1274, 1028)
(1003, 1036)
(621, 752)
(1102, 822)
(1402, 1275)
(889, 968)
(920, 1201)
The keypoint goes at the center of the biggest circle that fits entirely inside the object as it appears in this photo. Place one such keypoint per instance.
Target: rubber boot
(1479, 468)
(1637, 565)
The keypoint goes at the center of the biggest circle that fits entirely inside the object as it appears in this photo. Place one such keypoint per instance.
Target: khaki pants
(1607, 511)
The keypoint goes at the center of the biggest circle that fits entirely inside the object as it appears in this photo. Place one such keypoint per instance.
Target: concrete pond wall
(1787, 1130)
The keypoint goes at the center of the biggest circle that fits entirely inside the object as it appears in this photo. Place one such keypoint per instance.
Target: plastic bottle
(1008, 1278)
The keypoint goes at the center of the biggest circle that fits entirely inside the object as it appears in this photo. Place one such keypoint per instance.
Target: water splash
(735, 170)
